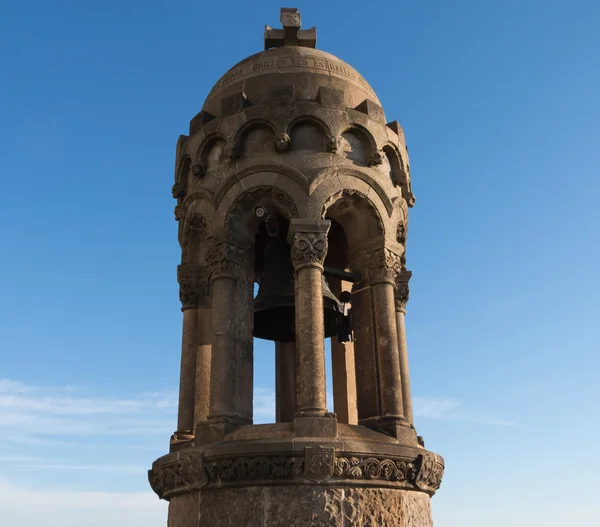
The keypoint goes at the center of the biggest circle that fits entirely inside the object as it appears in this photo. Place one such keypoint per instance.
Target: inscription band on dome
(311, 64)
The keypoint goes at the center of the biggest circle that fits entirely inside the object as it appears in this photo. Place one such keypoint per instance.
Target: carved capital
(226, 259)
(402, 292)
(193, 285)
(308, 248)
(380, 265)
(308, 240)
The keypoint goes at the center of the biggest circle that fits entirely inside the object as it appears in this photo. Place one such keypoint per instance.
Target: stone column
(203, 358)
(401, 298)
(191, 289)
(381, 267)
(343, 371)
(308, 240)
(285, 381)
(227, 261)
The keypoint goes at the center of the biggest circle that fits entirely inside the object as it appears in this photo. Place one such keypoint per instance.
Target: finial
(291, 34)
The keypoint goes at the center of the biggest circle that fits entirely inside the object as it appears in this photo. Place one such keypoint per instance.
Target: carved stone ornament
(178, 190)
(177, 212)
(333, 144)
(183, 475)
(430, 474)
(198, 171)
(282, 142)
(401, 233)
(309, 248)
(226, 258)
(319, 463)
(376, 158)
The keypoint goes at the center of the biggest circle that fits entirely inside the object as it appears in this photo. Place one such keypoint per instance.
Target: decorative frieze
(322, 465)
(372, 468)
(254, 469)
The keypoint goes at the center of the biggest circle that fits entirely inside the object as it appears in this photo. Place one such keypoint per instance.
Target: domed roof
(305, 68)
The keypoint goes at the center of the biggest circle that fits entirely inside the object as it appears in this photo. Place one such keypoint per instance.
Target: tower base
(301, 506)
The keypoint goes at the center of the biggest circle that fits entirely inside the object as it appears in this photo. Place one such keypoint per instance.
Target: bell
(274, 305)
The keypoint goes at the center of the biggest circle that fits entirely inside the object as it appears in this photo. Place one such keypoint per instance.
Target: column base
(396, 427)
(299, 506)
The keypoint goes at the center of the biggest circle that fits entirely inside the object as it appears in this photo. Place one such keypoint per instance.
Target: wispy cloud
(46, 411)
(25, 506)
(435, 407)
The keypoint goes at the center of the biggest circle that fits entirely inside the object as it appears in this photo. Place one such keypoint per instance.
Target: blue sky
(500, 104)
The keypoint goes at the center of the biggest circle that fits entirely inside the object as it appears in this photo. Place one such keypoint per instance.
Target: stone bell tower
(291, 178)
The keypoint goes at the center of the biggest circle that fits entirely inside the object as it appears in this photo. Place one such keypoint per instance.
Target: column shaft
(404, 373)
(203, 359)
(310, 342)
(223, 363)
(387, 350)
(185, 417)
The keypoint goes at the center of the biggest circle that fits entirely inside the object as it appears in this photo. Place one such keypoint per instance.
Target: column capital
(402, 292)
(227, 258)
(193, 285)
(308, 241)
(381, 265)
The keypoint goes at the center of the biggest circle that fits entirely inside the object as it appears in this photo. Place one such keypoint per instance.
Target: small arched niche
(391, 165)
(258, 139)
(183, 174)
(307, 136)
(214, 154)
(355, 146)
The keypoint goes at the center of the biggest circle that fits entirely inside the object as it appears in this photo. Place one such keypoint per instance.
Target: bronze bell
(274, 305)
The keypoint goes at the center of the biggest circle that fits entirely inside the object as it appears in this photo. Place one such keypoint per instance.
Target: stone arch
(308, 133)
(182, 176)
(358, 216)
(357, 144)
(285, 177)
(392, 165)
(206, 145)
(361, 181)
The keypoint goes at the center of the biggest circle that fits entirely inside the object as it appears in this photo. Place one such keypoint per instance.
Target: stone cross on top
(291, 34)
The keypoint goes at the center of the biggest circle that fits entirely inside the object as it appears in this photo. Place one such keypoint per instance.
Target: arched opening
(391, 165)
